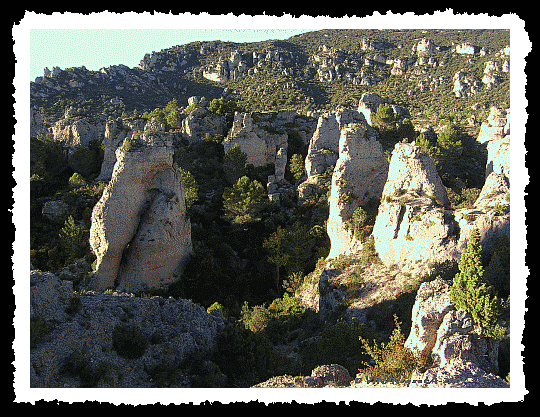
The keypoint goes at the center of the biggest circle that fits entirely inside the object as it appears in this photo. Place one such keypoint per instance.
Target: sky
(98, 48)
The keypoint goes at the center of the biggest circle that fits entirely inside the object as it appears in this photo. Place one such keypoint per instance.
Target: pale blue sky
(98, 48)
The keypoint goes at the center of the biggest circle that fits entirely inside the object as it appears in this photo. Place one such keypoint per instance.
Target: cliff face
(140, 233)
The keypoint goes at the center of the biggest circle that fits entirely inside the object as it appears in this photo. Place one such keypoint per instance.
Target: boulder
(55, 210)
(49, 295)
(431, 305)
(360, 175)
(140, 233)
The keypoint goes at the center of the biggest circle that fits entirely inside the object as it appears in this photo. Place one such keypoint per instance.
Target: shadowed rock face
(140, 233)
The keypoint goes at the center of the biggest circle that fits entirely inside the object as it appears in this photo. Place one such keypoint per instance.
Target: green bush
(470, 291)
(128, 341)
(338, 343)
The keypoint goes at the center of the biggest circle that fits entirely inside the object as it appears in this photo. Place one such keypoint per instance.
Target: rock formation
(411, 224)
(79, 348)
(496, 126)
(116, 131)
(323, 150)
(330, 376)
(360, 175)
(75, 133)
(200, 122)
(459, 354)
(262, 145)
(140, 233)
(465, 85)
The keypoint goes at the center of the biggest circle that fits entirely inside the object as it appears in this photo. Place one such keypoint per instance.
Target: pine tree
(71, 239)
(244, 201)
(470, 291)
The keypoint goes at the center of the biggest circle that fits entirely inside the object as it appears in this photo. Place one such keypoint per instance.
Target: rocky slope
(113, 340)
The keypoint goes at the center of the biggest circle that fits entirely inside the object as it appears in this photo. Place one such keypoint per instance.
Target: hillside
(315, 70)
(309, 197)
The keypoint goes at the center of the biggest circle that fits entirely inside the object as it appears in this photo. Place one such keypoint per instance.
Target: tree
(71, 239)
(290, 248)
(406, 130)
(234, 164)
(471, 292)
(191, 188)
(447, 139)
(385, 113)
(297, 166)
(244, 201)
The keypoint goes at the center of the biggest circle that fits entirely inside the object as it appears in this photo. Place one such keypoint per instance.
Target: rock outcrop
(72, 133)
(90, 340)
(497, 125)
(465, 85)
(201, 122)
(260, 145)
(325, 376)
(411, 223)
(323, 150)
(116, 131)
(140, 233)
(359, 176)
(459, 354)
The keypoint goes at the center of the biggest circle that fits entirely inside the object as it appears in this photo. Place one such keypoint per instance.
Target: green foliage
(224, 107)
(392, 360)
(385, 113)
(339, 342)
(363, 218)
(406, 130)
(448, 140)
(297, 166)
(244, 201)
(234, 164)
(470, 291)
(128, 341)
(191, 188)
(71, 239)
(87, 160)
(291, 248)
(77, 181)
(90, 373)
